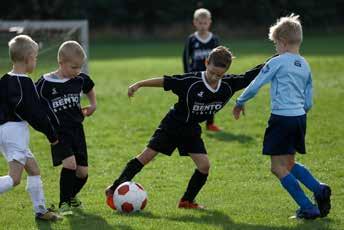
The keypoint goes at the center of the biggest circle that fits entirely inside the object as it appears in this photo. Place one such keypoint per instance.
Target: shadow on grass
(221, 220)
(82, 220)
(227, 136)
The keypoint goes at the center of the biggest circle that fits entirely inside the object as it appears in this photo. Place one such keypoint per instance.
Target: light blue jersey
(291, 85)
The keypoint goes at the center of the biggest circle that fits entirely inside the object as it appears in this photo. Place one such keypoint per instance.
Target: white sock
(35, 189)
(6, 183)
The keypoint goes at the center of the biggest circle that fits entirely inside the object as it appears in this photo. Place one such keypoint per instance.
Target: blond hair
(70, 50)
(220, 57)
(20, 47)
(202, 12)
(288, 29)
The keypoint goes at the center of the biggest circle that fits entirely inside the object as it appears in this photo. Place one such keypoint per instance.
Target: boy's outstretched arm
(153, 82)
(90, 109)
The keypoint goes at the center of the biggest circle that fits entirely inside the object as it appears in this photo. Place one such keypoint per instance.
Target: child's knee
(16, 181)
(82, 173)
(69, 163)
(204, 167)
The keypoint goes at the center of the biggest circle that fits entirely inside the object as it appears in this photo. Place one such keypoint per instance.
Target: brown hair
(220, 57)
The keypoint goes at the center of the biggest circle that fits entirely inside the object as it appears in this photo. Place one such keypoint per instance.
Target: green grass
(241, 193)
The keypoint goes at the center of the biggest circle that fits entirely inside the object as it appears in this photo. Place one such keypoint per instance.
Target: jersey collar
(210, 36)
(208, 86)
(49, 77)
(17, 74)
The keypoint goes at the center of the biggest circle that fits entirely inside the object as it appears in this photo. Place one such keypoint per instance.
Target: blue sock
(290, 183)
(305, 177)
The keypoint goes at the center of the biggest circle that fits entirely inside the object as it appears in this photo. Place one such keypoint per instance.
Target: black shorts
(73, 138)
(172, 134)
(285, 135)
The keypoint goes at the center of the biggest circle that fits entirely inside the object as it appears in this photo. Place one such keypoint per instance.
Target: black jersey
(197, 101)
(196, 50)
(62, 98)
(19, 101)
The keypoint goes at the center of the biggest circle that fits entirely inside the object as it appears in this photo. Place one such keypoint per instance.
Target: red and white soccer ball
(130, 197)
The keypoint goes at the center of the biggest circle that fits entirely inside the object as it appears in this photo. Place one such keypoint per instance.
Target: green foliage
(241, 193)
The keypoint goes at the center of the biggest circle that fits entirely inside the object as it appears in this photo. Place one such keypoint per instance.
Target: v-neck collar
(208, 86)
(204, 40)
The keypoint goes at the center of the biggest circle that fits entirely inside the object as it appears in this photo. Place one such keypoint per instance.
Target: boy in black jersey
(197, 48)
(20, 105)
(60, 91)
(200, 95)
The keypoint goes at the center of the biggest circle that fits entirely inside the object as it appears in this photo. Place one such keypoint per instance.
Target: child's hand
(88, 110)
(237, 110)
(132, 89)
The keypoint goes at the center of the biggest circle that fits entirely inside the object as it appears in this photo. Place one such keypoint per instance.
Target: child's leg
(199, 177)
(80, 179)
(133, 167)
(279, 166)
(67, 179)
(34, 186)
(305, 177)
(13, 178)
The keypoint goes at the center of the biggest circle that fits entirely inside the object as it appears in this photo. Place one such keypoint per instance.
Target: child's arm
(186, 56)
(266, 74)
(90, 109)
(309, 94)
(153, 82)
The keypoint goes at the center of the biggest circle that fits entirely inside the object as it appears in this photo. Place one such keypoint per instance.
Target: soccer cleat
(75, 203)
(49, 215)
(109, 191)
(213, 128)
(65, 209)
(323, 199)
(309, 213)
(189, 205)
(110, 202)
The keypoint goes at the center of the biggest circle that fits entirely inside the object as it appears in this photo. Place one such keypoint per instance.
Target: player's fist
(88, 110)
(132, 89)
(237, 110)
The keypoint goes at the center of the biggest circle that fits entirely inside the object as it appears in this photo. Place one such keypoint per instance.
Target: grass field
(241, 193)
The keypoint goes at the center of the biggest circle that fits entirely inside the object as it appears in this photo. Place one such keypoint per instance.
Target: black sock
(67, 181)
(196, 182)
(79, 183)
(131, 169)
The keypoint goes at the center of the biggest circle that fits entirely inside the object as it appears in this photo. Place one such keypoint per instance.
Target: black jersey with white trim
(197, 101)
(196, 50)
(19, 101)
(62, 98)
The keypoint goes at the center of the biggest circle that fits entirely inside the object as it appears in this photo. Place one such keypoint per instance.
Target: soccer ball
(130, 197)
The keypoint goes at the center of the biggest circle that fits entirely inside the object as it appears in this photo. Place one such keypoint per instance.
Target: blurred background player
(60, 91)
(197, 48)
(200, 95)
(20, 105)
(291, 98)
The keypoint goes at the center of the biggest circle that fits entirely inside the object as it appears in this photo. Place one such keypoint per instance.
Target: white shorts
(14, 141)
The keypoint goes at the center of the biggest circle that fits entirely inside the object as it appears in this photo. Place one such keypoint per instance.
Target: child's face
(31, 61)
(202, 24)
(71, 69)
(214, 73)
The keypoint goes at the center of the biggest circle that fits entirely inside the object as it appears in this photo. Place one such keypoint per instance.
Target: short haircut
(20, 47)
(220, 57)
(70, 50)
(202, 12)
(287, 28)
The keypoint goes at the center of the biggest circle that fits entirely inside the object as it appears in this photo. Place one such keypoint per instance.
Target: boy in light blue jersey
(291, 98)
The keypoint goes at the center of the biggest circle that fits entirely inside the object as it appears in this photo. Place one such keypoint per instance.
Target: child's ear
(206, 62)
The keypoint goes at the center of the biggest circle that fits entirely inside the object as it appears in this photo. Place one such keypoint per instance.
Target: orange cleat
(213, 128)
(189, 205)
(110, 203)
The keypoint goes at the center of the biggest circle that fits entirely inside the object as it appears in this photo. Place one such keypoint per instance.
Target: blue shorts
(285, 135)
